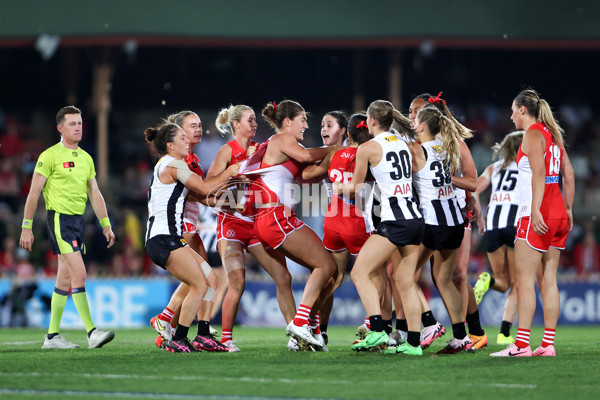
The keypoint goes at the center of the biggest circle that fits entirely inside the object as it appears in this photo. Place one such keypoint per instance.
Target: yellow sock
(81, 303)
(57, 306)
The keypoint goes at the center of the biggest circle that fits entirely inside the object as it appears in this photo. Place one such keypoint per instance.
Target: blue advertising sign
(130, 303)
(114, 303)
(580, 304)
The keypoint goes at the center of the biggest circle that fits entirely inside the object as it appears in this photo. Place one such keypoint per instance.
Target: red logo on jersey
(75, 244)
(445, 191)
(68, 164)
(402, 189)
(500, 197)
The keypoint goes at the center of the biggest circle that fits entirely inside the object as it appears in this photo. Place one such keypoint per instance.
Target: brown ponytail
(275, 113)
(158, 137)
(385, 113)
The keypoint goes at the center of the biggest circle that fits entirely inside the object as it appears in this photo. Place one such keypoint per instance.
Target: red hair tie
(275, 107)
(437, 99)
(362, 125)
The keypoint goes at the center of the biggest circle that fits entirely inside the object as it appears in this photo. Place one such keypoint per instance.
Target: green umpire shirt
(67, 172)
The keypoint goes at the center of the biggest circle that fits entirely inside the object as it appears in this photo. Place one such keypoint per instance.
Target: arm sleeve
(44, 165)
(183, 171)
(92, 174)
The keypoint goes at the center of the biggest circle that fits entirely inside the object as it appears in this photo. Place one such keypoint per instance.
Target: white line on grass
(20, 343)
(82, 393)
(513, 385)
(269, 380)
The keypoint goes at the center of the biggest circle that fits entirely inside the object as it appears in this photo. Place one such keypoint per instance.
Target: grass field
(131, 367)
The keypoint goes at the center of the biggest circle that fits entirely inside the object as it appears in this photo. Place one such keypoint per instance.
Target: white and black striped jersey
(504, 201)
(165, 203)
(434, 189)
(393, 175)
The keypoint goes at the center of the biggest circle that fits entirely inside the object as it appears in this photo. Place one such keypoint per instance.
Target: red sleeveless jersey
(277, 184)
(238, 153)
(193, 162)
(552, 203)
(342, 214)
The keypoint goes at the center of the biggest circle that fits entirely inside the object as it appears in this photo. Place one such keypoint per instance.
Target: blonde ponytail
(540, 110)
(462, 131)
(450, 143)
(224, 121)
(441, 106)
(437, 123)
(546, 116)
(508, 149)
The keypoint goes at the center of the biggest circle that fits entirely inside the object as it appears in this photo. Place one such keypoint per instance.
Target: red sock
(166, 315)
(522, 339)
(301, 317)
(548, 339)
(226, 335)
(315, 324)
(368, 323)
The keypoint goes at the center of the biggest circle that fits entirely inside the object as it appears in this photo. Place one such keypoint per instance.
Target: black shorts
(496, 238)
(403, 232)
(443, 237)
(159, 248)
(65, 232)
(214, 259)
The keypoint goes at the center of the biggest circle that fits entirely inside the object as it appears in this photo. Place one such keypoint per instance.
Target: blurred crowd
(24, 137)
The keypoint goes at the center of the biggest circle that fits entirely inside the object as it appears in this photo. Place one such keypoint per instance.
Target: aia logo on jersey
(501, 197)
(403, 189)
(68, 164)
(444, 191)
